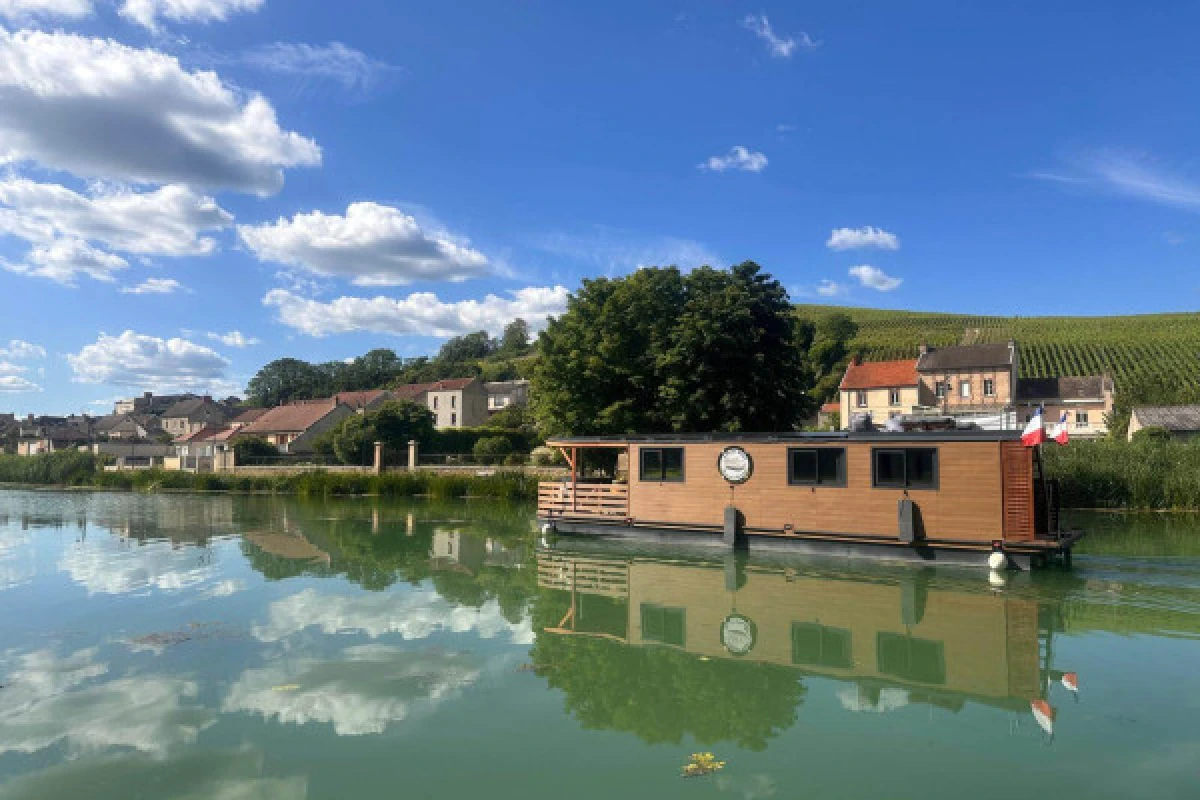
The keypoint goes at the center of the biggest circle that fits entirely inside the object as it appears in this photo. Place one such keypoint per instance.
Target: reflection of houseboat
(955, 496)
(894, 638)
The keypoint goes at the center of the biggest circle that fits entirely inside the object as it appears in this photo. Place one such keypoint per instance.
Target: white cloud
(1128, 174)
(374, 245)
(335, 61)
(778, 46)
(167, 221)
(23, 350)
(134, 359)
(233, 339)
(363, 692)
(147, 13)
(64, 261)
(738, 158)
(22, 11)
(421, 313)
(875, 278)
(856, 238)
(154, 286)
(14, 384)
(617, 250)
(108, 565)
(101, 109)
(828, 288)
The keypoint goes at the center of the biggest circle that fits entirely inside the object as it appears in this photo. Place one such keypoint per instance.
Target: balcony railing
(601, 500)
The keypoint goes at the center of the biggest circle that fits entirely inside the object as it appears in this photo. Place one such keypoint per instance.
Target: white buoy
(997, 560)
(997, 579)
(547, 529)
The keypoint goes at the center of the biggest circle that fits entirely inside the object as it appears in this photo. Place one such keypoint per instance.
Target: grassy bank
(1117, 474)
(82, 470)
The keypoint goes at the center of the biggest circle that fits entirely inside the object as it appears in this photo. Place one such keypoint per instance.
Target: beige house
(194, 414)
(502, 394)
(882, 389)
(976, 383)
(1182, 422)
(294, 427)
(455, 403)
(1087, 401)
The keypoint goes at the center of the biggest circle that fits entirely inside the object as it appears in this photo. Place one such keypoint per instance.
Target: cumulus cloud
(22, 350)
(421, 313)
(22, 11)
(101, 109)
(351, 68)
(739, 158)
(410, 613)
(14, 384)
(148, 13)
(373, 245)
(369, 688)
(856, 238)
(134, 359)
(828, 288)
(233, 339)
(778, 46)
(154, 286)
(875, 278)
(107, 565)
(168, 221)
(64, 261)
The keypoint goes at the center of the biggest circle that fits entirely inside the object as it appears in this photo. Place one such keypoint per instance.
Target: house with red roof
(294, 427)
(883, 389)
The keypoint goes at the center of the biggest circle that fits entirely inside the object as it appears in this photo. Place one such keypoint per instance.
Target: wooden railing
(604, 500)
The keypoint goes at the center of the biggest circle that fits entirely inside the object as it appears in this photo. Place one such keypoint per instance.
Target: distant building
(1087, 400)
(37, 435)
(133, 455)
(246, 417)
(194, 414)
(148, 403)
(361, 402)
(828, 416)
(882, 389)
(455, 403)
(972, 383)
(1182, 422)
(294, 427)
(502, 394)
(127, 426)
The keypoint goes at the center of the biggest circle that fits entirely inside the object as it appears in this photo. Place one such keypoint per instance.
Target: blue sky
(191, 188)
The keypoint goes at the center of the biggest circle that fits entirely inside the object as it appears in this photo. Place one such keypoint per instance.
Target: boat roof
(815, 437)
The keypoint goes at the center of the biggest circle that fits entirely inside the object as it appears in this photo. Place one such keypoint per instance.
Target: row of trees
(473, 355)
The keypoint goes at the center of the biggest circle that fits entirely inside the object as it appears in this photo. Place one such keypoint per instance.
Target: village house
(455, 403)
(189, 416)
(502, 394)
(882, 389)
(132, 455)
(294, 427)
(974, 383)
(246, 417)
(127, 426)
(1087, 401)
(148, 403)
(364, 401)
(52, 434)
(828, 416)
(196, 451)
(1181, 422)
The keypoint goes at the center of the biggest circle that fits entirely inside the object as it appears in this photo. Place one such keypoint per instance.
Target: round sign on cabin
(738, 634)
(735, 465)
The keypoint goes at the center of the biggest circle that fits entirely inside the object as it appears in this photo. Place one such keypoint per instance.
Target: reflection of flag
(1071, 681)
(1035, 432)
(1059, 434)
(1043, 712)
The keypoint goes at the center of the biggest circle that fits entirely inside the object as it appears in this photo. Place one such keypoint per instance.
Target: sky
(192, 188)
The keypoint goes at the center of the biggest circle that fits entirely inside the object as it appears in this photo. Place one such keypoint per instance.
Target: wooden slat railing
(603, 500)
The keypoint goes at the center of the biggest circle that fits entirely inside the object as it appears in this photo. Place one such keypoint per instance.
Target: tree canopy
(659, 351)
(394, 424)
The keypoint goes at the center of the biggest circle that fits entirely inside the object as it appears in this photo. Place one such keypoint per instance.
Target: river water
(184, 646)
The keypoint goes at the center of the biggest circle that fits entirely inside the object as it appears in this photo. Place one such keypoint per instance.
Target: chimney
(856, 360)
(147, 395)
(923, 349)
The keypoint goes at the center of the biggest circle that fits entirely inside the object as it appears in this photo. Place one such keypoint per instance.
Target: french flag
(1059, 434)
(1035, 432)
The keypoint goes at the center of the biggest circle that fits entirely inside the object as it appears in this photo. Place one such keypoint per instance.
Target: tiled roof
(412, 391)
(1173, 418)
(208, 432)
(1088, 387)
(879, 374)
(248, 416)
(294, 418)
(195, 407)
(969, 356)
(831, 407)
(359, 400)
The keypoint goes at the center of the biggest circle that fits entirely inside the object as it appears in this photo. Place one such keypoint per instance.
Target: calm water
(171, 646)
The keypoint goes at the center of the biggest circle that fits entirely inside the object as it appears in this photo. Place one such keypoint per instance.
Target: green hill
(1164, 346)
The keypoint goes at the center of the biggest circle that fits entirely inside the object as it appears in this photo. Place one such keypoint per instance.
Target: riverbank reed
(1117, 474)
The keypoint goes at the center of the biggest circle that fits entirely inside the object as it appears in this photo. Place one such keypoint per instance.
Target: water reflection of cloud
(219, 775)
(410, 613)
(369, 688)
(110, 565)
(45, 701)
(16, 558)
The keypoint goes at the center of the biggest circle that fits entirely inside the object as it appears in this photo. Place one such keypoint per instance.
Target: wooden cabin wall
(989, 642)
(1017, 466)
(967, 506)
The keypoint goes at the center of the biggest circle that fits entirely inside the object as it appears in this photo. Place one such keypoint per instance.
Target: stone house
(973, 383)
(1182, 422)
(189, 416)
(455, 403)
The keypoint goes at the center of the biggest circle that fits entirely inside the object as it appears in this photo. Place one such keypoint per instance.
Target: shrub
(546, 457)
(1152, 434)
(492, 449)
(247, 449)
(516, 459)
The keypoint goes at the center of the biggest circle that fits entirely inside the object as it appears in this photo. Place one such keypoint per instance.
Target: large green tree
(285, 380)
(829, 352)
(394, 424)
(662, 351)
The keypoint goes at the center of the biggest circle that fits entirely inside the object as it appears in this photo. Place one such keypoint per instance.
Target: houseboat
(965, 497)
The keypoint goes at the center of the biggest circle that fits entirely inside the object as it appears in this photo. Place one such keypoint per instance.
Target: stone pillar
(378, 457)
(412, 455)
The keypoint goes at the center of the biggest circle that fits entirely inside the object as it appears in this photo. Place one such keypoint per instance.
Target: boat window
(666, 625)
(817, 466)
(820, 646)
(905, 468)
(911, 659)
(661, 464)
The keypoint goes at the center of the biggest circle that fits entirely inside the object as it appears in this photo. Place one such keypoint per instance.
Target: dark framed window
(989, 387)
(939, 389)
(893, 397)
(820, 646)
(661, 464)
(665, 625)
(860, 399)
(817, 466)
(911, 659)
(904, 468)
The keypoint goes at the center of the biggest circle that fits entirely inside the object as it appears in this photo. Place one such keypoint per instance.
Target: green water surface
(187, 646)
